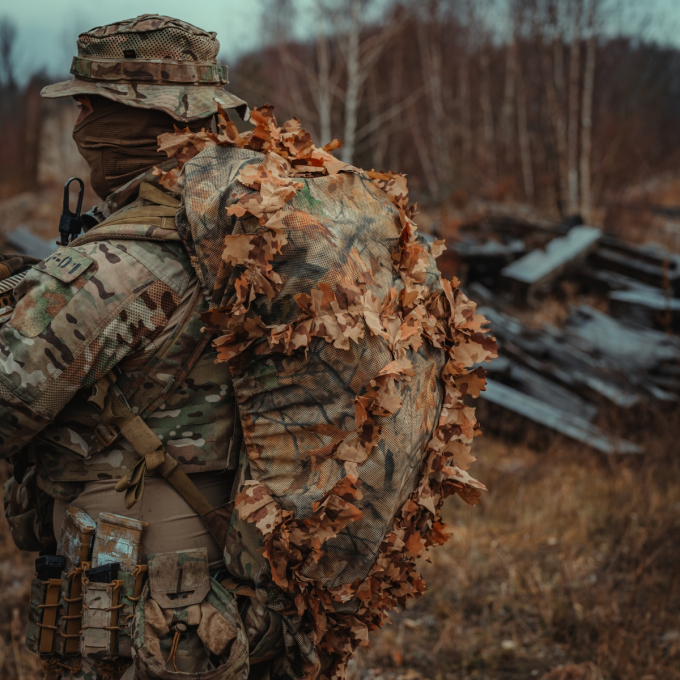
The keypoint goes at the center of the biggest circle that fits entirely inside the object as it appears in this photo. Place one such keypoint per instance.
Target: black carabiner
(70, 224)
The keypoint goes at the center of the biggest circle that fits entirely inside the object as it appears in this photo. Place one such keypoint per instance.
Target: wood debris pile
(616, 345)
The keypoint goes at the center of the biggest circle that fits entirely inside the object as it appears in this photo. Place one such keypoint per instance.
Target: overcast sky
(48, 28)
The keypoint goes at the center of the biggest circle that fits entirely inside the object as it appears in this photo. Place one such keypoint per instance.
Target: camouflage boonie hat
(151, 62)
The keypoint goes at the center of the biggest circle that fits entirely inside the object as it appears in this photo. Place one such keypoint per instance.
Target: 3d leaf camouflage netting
(351, 359)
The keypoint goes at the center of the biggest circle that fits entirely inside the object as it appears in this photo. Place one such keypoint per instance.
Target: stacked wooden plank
(616, 347)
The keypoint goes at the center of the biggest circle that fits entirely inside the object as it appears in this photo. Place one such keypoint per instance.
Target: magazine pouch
(28, 510)
(43, 615)
(133, 582)
(101, 608)
(75, 545)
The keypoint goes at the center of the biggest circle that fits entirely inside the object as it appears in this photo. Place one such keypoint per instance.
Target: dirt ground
(568, 570)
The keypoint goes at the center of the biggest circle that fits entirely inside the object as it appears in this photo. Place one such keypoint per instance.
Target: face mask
(120, 142)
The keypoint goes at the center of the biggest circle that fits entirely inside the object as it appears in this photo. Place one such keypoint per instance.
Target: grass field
(568, 570)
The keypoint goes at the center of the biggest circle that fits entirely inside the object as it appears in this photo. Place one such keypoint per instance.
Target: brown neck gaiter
(120, 142)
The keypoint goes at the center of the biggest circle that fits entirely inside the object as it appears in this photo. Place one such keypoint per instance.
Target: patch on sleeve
(65, 264)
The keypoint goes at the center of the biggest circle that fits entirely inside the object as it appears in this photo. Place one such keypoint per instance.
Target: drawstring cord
(179, 629)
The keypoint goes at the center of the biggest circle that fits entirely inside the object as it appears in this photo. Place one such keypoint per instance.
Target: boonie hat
(151, 62)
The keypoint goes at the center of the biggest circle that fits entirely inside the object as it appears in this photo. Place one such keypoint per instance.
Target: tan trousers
(173, 524)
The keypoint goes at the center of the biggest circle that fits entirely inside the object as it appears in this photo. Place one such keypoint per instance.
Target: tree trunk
(574, 80)
(587, 117)
(431, 65)
(561, 130)
(464, 106)
(555, 103)
(523, 136)
(323, 93)
(354, 80)
(423, 154)
(508, 103)
(489, 151)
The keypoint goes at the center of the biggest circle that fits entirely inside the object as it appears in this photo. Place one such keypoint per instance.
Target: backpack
(351, 360)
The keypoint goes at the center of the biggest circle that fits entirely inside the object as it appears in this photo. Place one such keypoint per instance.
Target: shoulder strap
(143, 223)
(147, 393)
(119, 419)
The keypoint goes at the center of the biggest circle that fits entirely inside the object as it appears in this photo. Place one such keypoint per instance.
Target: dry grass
(568, 570)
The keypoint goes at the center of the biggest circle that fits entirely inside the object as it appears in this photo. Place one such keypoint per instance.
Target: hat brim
(183, 102)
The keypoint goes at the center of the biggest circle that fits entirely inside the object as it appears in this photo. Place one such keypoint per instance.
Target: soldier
(124, 310)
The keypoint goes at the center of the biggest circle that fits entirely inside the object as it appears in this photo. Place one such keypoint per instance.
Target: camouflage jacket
(96, 306)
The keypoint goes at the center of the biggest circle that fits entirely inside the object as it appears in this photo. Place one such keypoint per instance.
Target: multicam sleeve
(62, 339)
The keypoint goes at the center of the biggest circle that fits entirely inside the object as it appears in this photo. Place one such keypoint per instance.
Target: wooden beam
(538, 267)
(569, 425)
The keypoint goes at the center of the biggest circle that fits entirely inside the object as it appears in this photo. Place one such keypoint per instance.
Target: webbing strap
(152, 193)
(145, 442)
(216, 520)
(118, 418)
(117, 414)
(74, 613)
(49, 620)
(148, 215)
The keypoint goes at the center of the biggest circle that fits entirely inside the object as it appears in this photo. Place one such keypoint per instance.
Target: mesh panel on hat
(165, 43)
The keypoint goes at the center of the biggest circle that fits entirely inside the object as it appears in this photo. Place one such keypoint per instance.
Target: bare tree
(587, 113)
(464, 107)
(557, 116)
(574, 122)
(8, 37)
(523, 135)
(455, 101)
(431, 58)
(360, 51)
(485, 104)
(522, 15)
(506, 127)
(322, 85)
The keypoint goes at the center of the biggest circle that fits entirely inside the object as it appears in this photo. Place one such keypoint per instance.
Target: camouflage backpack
(351, 358)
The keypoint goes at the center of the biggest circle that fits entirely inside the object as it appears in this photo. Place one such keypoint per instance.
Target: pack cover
(351, 359)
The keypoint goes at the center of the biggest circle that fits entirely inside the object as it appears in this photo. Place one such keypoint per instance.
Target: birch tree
(360, 53)
(587, 113)
(574, 122)
(440, 126)
(322, 85)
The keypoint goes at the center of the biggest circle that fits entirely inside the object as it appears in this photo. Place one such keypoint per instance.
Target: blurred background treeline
(543, 102)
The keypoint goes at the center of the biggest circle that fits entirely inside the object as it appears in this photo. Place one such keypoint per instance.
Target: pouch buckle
(105, 434)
